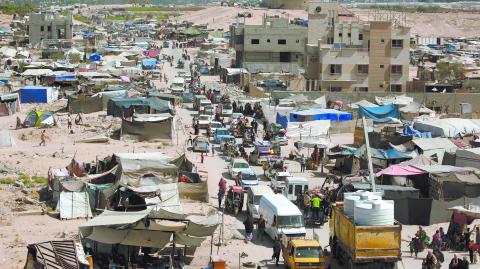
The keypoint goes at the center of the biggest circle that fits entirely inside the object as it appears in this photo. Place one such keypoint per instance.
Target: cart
(234, 200)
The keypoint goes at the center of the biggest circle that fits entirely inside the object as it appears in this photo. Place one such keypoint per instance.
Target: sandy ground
(17, 231)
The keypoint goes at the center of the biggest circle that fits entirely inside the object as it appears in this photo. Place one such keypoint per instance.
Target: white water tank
(374, 213)
(350, 198)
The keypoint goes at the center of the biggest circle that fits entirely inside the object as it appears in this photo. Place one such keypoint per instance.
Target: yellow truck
(363, 246)
(304, 253)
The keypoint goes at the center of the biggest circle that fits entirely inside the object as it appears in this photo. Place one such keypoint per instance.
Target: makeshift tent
(410, 131)
(449, 127)
(9, 104)
(145, 127)
(125, 107)
(39, 119)
(308, 129)
(74, 205)
(452, 186)
(419, 160)
(36, 72)
(319, 114)
(396, 100)
(6, 140)
(380, 114)
(400, 170)
(414, 109)
(468, 158)
(149, 64)
(85, 104)
(33, 94)
(435, 146)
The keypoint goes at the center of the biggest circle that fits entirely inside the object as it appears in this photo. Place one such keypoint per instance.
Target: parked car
(200, 144)
(213, 126)
(204, 121)
(237, 166)
(187, 97)
(272, 84)
(278, 180)
(248, 179)
(203, 70)
(227, 109)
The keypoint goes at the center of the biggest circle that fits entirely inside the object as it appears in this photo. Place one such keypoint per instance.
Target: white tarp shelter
(308, 129)
(74, 205)
(450, 127)
(6, 140)
(468, 158)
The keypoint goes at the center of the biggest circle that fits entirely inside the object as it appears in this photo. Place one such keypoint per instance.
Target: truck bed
(366, 243)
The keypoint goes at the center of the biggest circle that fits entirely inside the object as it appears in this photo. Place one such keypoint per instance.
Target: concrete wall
(452, 100)
(48, 26)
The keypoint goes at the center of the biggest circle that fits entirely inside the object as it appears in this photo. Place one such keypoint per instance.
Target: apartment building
(346, 54)
(277, 45)
(43, 26)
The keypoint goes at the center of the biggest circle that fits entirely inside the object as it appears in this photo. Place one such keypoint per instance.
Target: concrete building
(285, 4)
(275, 46)
(345, 54)
(42, 26)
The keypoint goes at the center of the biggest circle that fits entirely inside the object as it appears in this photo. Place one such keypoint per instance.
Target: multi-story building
(286, 4)
(275, 46)
(346, 54)
(42, 26)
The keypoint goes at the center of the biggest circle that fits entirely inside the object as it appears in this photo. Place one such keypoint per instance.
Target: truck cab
(304, 253)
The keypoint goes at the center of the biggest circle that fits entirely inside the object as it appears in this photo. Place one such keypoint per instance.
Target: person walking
(43, 138)
(201, 157)
(222, 189)
(213, 150)
(265, 168)
(303, 163)
(455, 262)
(277, 248)
(316, 206)
(190, 140)
(69, 121)
(260, 227)
(248, 224)
(307, 203)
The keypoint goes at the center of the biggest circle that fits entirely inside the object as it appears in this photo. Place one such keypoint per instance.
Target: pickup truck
(357, 246)
(299, 253)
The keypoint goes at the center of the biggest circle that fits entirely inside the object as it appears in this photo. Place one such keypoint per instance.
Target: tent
(449, 127)
(400, 170)
(144, 127)
(149, 64)
(308, 129)
(34, 94)
(74, 205)
(363, 103)
(319, 114)
(468, 158)
(6, 140)
(39, 119)
(380, 114)
(125, 107)
(435, 146)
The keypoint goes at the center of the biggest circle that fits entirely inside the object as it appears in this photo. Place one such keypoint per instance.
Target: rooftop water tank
(374, 213)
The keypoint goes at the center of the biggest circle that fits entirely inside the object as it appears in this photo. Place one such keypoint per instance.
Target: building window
(282, 42)
(340, 34)
(362, 68)
(396, 88)
(42, 28)
(397, 69)
(362, 89)
(335, 89)
(335, 69)
(381, 86)
(298, 41)
(349, 35)
(360, 37)
(255, 41)
(397, 43)
(49, 28)
(382, 66)
(329, 40)
(268, 40)
(382, 40)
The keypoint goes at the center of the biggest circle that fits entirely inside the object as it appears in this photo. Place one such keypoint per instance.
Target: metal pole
(369, 156)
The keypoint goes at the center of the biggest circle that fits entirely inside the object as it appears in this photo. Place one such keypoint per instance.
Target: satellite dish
(318, 9)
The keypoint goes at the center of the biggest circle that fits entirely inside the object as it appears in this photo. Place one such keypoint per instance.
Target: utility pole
(369, 156)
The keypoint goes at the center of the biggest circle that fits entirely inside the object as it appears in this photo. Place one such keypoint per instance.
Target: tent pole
(369, 156)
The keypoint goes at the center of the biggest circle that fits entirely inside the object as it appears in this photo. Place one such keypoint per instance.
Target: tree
(74, 58)
(57, 56)
(450, 71)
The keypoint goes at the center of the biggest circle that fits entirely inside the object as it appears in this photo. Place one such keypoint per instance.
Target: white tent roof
(449, 127)
(36, 72)
(308, 129)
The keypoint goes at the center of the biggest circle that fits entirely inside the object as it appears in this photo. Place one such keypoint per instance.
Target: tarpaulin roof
(380, 114)
(434, 143)
(308, 129)
(319, 114)
(389, 154)
(149, 62)
(449, 127)
(36, 72)
(410, 131)
(439, 169)
(401, 170)
(420, 160)
(113, 218)
(415, 107)
(153, 102)
(473, 212)
(364, 103)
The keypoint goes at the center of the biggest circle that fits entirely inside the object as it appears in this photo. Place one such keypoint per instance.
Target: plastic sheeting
(400, 170)
(6, 140)
(147, 130)
(186, 240)
(74, 205)
(380, 114)
(319, 114)
(116, 218)
(410, 131)
(32, 94)
(308, 129)
(194, 191)
(450, 127)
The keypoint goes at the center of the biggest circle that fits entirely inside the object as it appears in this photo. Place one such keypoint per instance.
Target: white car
(213, 126)
(227, 110)
(204, 121)
(238, 166)
(278, 180)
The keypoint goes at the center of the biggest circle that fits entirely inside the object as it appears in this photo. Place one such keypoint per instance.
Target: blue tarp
(282, 120)
(382, 154)
(149, 63)
(33, 94)
(410, 131)
(379, 114)
(319, 114)
(95, 57)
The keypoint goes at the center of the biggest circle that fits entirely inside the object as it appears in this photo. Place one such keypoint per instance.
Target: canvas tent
(435, 146)
(449, 127)
(145, 127)
(34, 94)
(39, 119)
(468, 158)
(380, 114)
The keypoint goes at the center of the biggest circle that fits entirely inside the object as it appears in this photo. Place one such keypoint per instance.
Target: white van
(254, 194)
(178, 86)
(294, 186)
(281, 216)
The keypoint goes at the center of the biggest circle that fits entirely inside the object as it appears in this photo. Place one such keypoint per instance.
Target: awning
(401, 170)
(108, 218)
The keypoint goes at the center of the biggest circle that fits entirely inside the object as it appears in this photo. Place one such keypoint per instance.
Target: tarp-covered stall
(126, 107)
(145, 127)
(34, 94)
